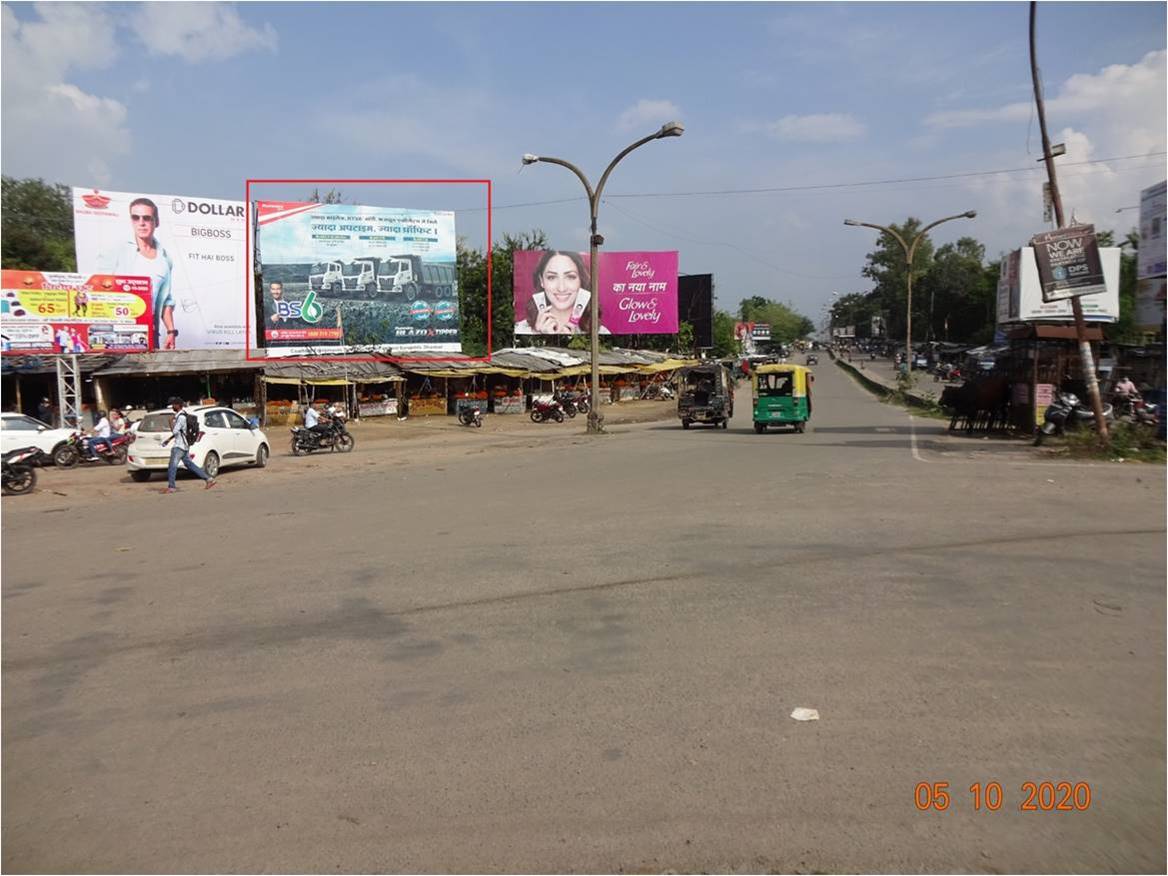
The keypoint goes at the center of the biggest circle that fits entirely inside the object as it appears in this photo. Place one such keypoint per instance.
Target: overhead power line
(821, 186)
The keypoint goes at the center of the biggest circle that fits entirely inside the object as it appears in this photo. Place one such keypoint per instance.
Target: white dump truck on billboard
(325, 277)
(408, 275)
(357, 278)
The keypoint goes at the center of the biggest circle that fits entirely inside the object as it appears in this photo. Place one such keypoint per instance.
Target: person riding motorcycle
(1124, 393)
(101, 435)
(312, 422)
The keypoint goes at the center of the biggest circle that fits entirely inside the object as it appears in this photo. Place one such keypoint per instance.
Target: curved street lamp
(669, 129)
(910, 251)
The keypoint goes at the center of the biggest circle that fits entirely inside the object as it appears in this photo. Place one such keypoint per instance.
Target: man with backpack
(183, 432)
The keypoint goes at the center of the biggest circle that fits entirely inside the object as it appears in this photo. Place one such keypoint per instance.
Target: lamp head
(671, 129)
(851, 222)
(970, 214)
(528, 158)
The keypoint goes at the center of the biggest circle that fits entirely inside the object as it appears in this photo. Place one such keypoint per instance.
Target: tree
(725, 344)
(472, 291)
(786, 324)
(886, 266)
(37, 225)
(959, 302)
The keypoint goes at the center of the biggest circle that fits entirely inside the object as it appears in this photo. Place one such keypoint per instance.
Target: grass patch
(1129, 441)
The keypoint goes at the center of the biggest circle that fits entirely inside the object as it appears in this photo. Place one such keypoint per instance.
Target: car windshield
(319, 268)
(774, 384)
(156, 422)
(354, 269)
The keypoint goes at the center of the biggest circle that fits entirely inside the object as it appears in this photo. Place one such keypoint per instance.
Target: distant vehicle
(408, 275)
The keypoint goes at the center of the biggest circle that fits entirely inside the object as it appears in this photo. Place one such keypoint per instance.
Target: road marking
(912, 427)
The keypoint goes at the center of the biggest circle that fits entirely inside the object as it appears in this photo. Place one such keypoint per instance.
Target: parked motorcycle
(947, 372)
(583, 402)
(1065, 412)
(77, 450)
(19, 470)
(542, 411)
(471, 417)
(567, 403)
(333, 437)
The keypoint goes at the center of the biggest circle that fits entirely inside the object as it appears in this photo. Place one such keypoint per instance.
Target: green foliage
(37, 225)
(725, 344)
(887, 269)
(1134, 441)
(685, 339)
(472, 291)
(786, 324)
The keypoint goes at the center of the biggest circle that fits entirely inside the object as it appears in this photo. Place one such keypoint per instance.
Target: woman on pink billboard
(559, 301)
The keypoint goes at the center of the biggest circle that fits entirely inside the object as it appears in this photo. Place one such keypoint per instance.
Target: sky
(822, 104)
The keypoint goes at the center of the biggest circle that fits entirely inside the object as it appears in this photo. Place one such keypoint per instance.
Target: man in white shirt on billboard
(144, 256)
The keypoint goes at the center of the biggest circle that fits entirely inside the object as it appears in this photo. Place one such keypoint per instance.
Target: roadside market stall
(365, 388)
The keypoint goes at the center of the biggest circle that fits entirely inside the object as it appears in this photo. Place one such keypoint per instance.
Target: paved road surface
(572, 654)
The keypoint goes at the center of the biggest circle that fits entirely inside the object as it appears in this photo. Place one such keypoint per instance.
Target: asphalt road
(556, 653)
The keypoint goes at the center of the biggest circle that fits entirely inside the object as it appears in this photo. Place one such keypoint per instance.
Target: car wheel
(140, 476)
(725, 424)
(685, 424)
(760, 428)
(799, 427)
(261, 460)
(211, 463)
(345, 443)
(65, 456)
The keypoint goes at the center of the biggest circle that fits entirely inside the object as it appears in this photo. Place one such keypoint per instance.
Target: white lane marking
(912, 426)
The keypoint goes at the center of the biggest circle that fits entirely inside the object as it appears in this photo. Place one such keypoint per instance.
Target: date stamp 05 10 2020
(1034, 796)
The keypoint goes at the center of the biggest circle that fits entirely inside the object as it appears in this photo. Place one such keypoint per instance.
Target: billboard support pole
(1086, 358)
(69, 390)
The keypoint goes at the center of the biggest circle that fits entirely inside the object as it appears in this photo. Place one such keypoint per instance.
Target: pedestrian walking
(181, 452)
(45, 411)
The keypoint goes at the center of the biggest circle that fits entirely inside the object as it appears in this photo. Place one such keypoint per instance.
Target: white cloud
(817, 128)
(649, 112)
(198, 31)
(53, 127)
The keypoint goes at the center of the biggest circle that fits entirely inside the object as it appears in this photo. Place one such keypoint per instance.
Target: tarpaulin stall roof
(48, 364)
(331, 373)
(171, 362)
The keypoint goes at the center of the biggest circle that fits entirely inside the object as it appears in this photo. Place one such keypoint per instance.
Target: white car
(17, 430)
(228, 439)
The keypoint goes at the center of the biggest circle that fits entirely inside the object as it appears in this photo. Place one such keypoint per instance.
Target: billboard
(637, 292)
(42, 314)
(191, 248)
(339, 277)
(695, 305)
(1020, 291)
(1151, 254)
(1068, 262)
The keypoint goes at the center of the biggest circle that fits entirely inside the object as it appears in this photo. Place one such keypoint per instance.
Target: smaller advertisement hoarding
(637, 291)
(1152, 259)
(46, 313)
(1068, 262)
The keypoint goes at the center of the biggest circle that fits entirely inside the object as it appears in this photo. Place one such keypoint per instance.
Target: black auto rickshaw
(707, 396)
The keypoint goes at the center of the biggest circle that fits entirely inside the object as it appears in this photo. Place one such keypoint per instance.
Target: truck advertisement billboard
(637, 292)
(47, 313)
(1020, 291)
(191, 248)
(339, 278)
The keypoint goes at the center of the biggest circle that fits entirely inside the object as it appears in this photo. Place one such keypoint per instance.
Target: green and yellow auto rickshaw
(782, 396)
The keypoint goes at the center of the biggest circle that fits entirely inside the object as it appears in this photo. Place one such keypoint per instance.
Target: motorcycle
(19, 470)
(471, 417)
(567, 403)
(77, 450)
(946, 372)
(542, 411)
(1067, 412)
(334, 437)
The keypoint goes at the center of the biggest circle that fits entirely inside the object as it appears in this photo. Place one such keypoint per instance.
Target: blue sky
(194, 98)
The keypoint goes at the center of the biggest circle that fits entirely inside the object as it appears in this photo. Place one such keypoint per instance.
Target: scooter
(19, 472)
(1067, 412)
(471, 417)
(77, 449)
(541, 412)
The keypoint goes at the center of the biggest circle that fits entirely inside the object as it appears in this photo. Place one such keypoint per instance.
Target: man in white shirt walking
(181, 452)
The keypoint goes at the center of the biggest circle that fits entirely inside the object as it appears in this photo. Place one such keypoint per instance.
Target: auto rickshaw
(706, 396)
(782, 396)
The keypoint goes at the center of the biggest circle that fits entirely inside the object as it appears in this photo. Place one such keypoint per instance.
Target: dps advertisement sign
(191, 249)
(339, 277)
(42, 314)
(637, 290)
(1068, 262)
(1020, 291)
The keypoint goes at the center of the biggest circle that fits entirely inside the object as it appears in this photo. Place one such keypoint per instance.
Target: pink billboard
(637, 290)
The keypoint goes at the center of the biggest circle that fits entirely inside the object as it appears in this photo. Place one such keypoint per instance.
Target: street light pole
(909, 252)
(595, 240)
